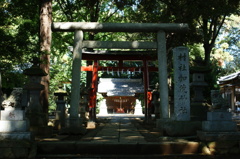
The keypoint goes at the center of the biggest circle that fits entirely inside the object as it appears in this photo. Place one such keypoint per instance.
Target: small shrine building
(230, 88)
(120, 93)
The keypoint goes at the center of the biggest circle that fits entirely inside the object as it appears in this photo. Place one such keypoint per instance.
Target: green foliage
(229, 42)
(19, 27)
(19, 40)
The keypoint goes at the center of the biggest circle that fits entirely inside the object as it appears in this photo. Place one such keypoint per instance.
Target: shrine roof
(230, 77)
(120, 86)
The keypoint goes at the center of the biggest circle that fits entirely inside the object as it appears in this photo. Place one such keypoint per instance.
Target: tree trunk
(45, 37)
(207, 52)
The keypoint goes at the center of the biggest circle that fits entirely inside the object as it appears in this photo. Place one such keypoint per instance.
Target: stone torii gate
(79, 43)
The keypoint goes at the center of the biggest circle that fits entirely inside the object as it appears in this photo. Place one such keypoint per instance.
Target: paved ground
(120, 128)
(121, 136)
(116, 128)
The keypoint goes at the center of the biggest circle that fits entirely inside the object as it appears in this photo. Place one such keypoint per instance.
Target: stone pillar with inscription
(181, 84)
(180, 124)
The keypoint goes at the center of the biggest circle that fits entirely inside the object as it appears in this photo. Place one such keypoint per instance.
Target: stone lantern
(34, 111)
(198, 85)
(61, 110)
(198, 106)
(83, 104)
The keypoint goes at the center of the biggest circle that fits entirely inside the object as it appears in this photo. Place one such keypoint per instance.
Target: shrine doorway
(120, 104)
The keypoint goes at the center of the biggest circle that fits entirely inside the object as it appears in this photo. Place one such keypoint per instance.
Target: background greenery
(213, 38)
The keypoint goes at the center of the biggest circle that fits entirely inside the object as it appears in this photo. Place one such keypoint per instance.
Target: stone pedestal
(73, 127)
(199, 111)
(60, 119)
(219, 126)
(178, 128)
(14, 125)
(138, 108)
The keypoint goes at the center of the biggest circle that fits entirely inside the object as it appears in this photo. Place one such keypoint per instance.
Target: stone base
(219, 115)
(37, 119)
(72, 131)
(74, 126)
(16, 135)
(91, 125)
(42, 131)
(12, 114)
(17, 149)
(218, 136)
(219, 126)
(14, 125)
(199, 111)
(178, 128)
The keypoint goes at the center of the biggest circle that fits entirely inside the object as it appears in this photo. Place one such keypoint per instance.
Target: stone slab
(14, 114)
(16, 135)
(219, 126)
(91, 125)
(218, 136)
(14, 125)
(219, 116)
(179, 128)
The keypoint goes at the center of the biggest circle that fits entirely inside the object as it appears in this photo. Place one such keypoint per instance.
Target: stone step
(68, 156)
(86, 148)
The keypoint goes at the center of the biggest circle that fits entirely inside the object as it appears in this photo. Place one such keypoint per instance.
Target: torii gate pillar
(74, 125)
(162, 73)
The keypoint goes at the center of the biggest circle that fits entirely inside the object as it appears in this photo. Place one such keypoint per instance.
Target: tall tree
(205, 19)
(18, 40)
(45, 37)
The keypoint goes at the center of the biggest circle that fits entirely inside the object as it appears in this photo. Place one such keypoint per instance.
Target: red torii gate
(132, 57)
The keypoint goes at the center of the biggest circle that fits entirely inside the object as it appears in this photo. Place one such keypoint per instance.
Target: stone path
(120, 137)
(119, 130)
